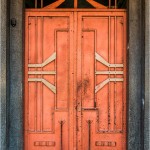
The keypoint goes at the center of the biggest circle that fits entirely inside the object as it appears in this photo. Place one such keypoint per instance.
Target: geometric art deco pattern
(104, 62)
(45, 82)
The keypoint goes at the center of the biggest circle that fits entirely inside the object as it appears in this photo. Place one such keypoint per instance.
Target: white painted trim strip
(46, 83)
(102, 84)
(103, 61)
(47, 61)
(42, 72)
(108, 72)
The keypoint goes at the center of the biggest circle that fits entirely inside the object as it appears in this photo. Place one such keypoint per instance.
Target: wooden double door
(75, 80)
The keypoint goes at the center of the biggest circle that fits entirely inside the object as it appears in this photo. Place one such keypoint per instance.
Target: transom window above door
(52, 4)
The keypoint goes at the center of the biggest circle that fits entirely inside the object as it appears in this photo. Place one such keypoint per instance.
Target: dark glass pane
(112, 3)
(103, 2)
(38, 3)
(29, 3)
(122, 3)
(67, 4)
(84, 4)
(48, 2)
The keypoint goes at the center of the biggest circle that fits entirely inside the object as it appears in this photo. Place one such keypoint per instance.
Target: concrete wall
(147, 76)
(135, 75)
(16, 77)
(3, 70)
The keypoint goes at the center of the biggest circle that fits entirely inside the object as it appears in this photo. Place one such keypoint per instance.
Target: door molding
(14, 97)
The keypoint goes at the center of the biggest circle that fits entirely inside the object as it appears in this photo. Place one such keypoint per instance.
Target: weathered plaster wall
(16, 77)
(147, 76)
(135, 78)
(3, 76)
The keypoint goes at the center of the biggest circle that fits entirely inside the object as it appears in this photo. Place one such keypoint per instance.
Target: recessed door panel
(48, 96)
(102, 100)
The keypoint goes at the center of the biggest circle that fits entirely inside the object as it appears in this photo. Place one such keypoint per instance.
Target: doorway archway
(16, 99)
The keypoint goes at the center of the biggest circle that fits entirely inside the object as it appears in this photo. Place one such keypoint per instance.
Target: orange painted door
(48, 81)
(101, 81)
(75, 80)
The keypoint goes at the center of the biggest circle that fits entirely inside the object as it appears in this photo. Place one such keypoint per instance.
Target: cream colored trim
(42, 72)
(47, 61)
(102, 84)
(108, 72)
(103, 61)
(46, 83)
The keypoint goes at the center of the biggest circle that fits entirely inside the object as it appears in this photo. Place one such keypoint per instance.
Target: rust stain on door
(75, 80)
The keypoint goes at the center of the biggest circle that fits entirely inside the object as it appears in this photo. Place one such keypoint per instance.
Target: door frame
(13, 107)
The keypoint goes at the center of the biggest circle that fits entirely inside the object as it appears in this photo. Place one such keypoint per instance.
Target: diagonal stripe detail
(45, 82)
(101, 85)
(104, 62)
(47, 61)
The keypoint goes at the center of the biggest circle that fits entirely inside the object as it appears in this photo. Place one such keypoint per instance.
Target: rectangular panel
(109, 51)
(119, 59)
(101, 46)
(39, 28)
(62, 69)
(48, 80)
(48, 106)
(103, 124)
(32, 86)
(88, 60)
(112, 61)
(44, 143)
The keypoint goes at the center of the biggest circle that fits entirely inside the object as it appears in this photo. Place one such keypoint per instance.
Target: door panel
(75, 80)
(48, 97)
(102, 98)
